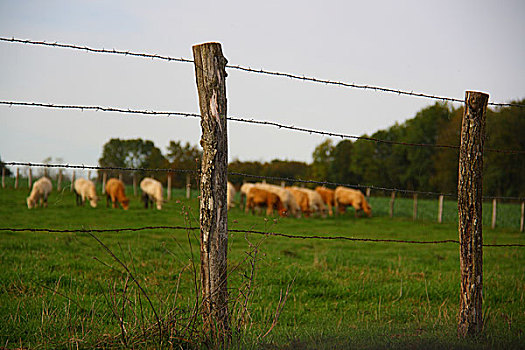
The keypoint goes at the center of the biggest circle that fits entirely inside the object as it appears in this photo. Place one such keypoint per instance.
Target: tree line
(362, 161)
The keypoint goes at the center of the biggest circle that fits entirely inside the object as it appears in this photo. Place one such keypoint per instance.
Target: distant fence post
(120, 176)
(3, 177)
(59, 180)
(17, 178)
(29, 178)
(494, 203)
(470, 182)
(210, 76)
(168, 185)
(188, 186)
(134, 184)
(522, 220)
(392, 199)
(414, 215)
(367, 192)
(73, 181)
(104, 180)
(440, 209)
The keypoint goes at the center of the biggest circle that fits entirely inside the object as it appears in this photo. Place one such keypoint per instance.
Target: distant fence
(210, 66)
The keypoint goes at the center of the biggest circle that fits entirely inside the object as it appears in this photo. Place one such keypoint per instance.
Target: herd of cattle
(287, 201)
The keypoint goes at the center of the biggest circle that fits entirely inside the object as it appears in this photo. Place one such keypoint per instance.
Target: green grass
(63, 290)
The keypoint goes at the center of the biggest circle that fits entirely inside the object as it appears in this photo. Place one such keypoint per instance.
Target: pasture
(66, 290)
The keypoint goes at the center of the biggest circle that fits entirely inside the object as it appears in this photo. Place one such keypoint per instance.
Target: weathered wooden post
(440, 209)
(3, 177)
(367, 192)
(73, 181)
(120, 176)
(414, 215)
(29, 178)
(211, 85)
(522, 220)
(135, 184)
(17, 178)
(188, 186)
(59, 180)
(470, 182)
(104, 180)
(168, 194)
(392, 199)
(493, 226)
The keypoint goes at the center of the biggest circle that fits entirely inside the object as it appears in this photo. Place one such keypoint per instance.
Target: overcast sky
(434, 47)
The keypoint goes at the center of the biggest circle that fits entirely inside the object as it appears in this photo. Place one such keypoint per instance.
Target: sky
(435, 47)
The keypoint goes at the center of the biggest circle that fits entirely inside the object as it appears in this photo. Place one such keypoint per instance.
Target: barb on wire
(243, 120)
(92, 167)
(258, 71)
(276, 234)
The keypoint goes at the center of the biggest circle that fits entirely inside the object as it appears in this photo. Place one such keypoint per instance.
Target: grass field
(64, 290)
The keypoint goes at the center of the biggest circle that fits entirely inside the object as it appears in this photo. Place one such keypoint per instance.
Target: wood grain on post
(440, 209)
(392, 199)
(414, 215)
(494, 204)
(210, 76)
(470, 180)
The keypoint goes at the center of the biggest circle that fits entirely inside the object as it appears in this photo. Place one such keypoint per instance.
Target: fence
(210, 66)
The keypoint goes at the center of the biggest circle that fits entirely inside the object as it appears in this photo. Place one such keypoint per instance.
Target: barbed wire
(93, 167)
(262, 177)
(257, 71)
(242, 120)
(265, 233)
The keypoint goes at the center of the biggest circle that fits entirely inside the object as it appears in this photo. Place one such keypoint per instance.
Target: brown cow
(115, 192)
(302, 199)
(347, 196)
(261, 198)
(328, 196)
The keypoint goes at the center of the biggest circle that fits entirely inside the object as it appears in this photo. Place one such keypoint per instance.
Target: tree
(135, 153)
(181, 157)
(322, 160)
(341, 169)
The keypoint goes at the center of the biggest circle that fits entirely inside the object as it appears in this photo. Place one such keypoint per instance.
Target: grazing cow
(41, 189)
(286, 197)
(230, 195)
(328, 197)
(346, 196)
(151, 192)
(116, 193)
(245, 188)
(315, 201)
(85, 189)
(258, 197)
(302, 200)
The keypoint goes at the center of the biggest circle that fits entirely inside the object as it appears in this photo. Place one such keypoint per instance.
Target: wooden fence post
(470, 183)
(120, 176)
(188, 186)
(210, 76)
(135, 184)
(414, 215)
(522, 220)
(392, 199)
(73, 181)
(17, 178)
(493, 226)
(168, 194)
(368, 192)
(3, 177)
(59, 180)
(440, 209)
(29, 178)
(104, 180)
